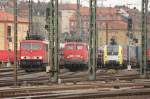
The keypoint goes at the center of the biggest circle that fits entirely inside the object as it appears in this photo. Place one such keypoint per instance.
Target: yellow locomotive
(113, 55)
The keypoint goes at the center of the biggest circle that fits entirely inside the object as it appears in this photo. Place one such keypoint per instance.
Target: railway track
(130, 94)
(41, 78)
(79, 91)
(73, 85)
(6, 69)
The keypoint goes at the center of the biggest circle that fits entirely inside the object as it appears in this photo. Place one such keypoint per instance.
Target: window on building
(9, 31)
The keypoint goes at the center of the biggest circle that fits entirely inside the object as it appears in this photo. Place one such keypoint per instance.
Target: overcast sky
(131, 3)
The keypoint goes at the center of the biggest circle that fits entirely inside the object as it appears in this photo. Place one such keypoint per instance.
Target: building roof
(104, 14)
(103, 10)
(5, 16)
(100, 11)
(68, 6)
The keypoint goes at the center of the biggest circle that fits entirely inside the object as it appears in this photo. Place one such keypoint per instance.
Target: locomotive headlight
(81, 56)
(23, 57)
(69, 56)
(40, 57)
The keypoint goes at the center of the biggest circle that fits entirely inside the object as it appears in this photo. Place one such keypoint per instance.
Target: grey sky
(131, 3)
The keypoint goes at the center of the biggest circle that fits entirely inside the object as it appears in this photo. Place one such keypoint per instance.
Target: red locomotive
(75, 55)
(6, 56)
(33, 54)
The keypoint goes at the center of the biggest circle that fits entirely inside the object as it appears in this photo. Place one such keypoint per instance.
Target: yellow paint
(105, 55)
(120, 55)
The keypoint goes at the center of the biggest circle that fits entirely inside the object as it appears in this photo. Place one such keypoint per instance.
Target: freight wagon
(134, 52)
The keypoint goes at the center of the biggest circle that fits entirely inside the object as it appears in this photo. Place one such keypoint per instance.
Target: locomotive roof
(34, 41)
(75, 43)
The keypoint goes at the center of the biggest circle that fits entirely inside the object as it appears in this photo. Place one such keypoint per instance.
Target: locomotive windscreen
(31, 46)
(69, 47)
(112, 50)
(79, 46)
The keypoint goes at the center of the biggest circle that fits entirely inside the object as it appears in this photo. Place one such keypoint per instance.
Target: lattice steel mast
(15, 40)
(92, 41)
(30, 28)
(79, 27)
(52, 27)
(144, 37)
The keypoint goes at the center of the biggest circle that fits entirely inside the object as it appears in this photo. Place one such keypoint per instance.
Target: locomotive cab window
(36, 46)
(112, 50)
(30, 46)
(69, 47)
(26, 45)
(79, 47)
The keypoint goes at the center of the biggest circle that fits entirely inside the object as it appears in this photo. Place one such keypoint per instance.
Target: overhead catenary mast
(79, 29)
(53, 37)
(30, 28)
(15, 41)
(92, 41)
(143, 65)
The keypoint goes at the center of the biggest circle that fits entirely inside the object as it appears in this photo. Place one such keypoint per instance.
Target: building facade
(66, 11)
(109, 25)
(6, 21)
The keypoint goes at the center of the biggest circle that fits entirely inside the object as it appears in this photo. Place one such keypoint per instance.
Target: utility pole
(143, 66)
(52, 27)
(92, 41)
(15, 42)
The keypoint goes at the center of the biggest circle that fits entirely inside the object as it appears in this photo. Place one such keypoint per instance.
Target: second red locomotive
(75, 55)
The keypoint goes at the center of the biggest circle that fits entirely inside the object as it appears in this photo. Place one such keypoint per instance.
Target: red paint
(71, 52)
(32, 53)
(148, 53)
(4, 56)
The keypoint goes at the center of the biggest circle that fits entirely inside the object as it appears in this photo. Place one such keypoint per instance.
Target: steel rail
(82, 93)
